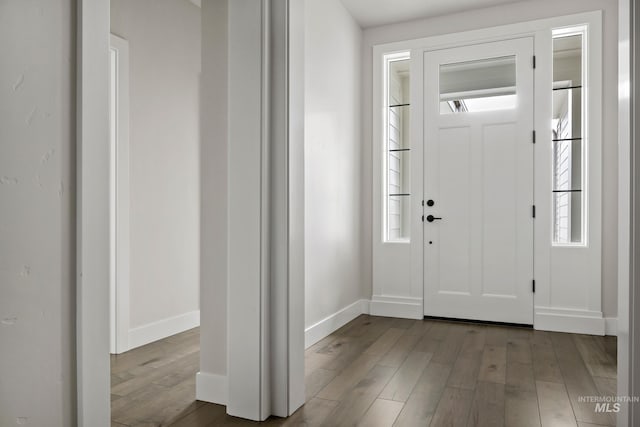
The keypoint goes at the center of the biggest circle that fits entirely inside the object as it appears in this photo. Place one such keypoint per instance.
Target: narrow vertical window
(568, 137)
(397, 148)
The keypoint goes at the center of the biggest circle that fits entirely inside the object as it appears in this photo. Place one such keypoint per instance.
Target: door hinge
(533, 286)
(423, 203)
(534, 62)
(533, 211)
(422, 218)
(534, 136)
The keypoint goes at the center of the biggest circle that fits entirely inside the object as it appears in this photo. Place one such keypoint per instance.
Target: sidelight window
(397, 148)
(568, 137)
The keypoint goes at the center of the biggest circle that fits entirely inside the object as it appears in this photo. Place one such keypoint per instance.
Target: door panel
(479, 173)
(454, 247)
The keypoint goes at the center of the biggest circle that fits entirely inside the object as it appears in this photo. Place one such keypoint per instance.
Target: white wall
(334, 233)
(494, 16)
(213, 161)
(37, 219)
(164, 40)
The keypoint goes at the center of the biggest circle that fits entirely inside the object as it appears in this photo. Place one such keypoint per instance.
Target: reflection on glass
(398, 150)
(475, 86)
(567, 148)
(399, 173)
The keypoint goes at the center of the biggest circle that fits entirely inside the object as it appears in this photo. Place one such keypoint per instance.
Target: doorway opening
(407, 298)
(154, 214)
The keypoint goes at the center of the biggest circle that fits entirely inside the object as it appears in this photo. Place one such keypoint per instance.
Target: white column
(265, 344)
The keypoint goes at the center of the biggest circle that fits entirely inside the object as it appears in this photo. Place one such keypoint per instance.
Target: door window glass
(475, 86)
(567, 140)
(397, 149)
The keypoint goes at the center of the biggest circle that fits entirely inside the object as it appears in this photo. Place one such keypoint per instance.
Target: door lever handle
(432, 218)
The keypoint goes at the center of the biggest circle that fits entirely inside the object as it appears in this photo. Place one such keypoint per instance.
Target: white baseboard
(611, 326)
(569, 320)
(329, 324)
(155, 331)
(402, 307)
(211, 388)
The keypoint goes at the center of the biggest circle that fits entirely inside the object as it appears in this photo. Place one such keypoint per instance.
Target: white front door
(478, 182)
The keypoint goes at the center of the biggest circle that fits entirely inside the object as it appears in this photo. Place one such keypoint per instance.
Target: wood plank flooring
(378, 371)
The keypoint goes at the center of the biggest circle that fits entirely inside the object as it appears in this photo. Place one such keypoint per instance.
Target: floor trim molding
(211, 388)
(329, 324)
(569, 320)
(546, 319)
(401, 307)
(164, 328)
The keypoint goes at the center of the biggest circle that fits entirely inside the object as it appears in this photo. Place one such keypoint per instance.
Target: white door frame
(628, 209)
(92, 314)
(119, 196)
(540, 29)
(279, 326)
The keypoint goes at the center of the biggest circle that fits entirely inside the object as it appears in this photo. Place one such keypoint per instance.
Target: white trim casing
(611, 326)
(628, 297)
(164, 328)
(92, 194)
(296, 183)
(247, 296)
(121, 200)
(212, 388)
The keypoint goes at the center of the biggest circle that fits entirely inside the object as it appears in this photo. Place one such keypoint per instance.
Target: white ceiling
(370, 13)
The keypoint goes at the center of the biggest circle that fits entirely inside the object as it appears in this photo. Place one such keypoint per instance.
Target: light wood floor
(379, 371)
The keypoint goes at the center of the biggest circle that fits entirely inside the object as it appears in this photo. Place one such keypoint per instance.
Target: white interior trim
(401, 307)
(120, 201)
(212, 388)
(611, 326)
(628, 381)
(248, 198)
(266, 269)
(541, 30)
(569, 320)
(335, 321)
(92, 194)
(296, 183)
(164, 328)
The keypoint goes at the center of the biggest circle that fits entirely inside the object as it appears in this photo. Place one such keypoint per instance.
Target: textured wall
(37, 219)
